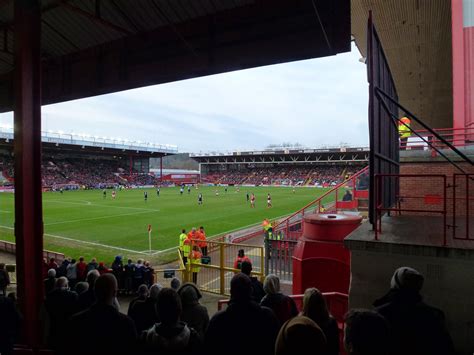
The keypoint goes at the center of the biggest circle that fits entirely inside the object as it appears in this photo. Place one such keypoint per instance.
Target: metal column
(27, 147)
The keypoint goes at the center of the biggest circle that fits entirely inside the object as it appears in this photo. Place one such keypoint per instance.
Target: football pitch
(84, 223)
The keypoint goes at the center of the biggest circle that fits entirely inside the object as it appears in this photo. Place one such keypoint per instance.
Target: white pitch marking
(3, 211)
(88, 203)
(86, 242)
(95, 218)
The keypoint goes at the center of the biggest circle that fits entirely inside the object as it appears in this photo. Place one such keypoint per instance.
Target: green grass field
(83, 223)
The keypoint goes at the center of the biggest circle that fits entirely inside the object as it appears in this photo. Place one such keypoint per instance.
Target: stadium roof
(93, 143)
(416, 38)
(96, 47)
(289, 156)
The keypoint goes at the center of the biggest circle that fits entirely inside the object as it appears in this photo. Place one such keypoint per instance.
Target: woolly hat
(407, 278)
(299, 335)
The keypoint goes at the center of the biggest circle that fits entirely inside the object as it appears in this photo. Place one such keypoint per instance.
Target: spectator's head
(271, 284)
(201, 228)
(92, 277)
(406, 278)
(183, 231)
(189, 294)
(246, 268)
(2, 266)
(365, 333)
(314, 306)
(62, 283)
(94, 261)
(118, 258)
(81, 259)
(240, 288)
(241, 253)
(73, 261)
(81, 287)
(169, 306)
(129, 261)
(155, 291)
(298, 335)
(52, 260)
(51, 273)
(142, 290)
(106, 289)
(140, 261)
(193, 230)
(175, 283)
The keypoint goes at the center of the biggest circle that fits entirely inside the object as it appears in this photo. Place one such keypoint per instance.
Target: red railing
(10, 248)
(380, 209)
(461, 205)
(290, 228)
(455, 136)
(428, 197)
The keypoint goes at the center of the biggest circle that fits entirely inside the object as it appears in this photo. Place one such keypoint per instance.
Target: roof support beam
(27, 147)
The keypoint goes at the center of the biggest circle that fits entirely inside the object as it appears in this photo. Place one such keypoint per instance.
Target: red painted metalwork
(320, 259)
(458, 203)
(455, 136)
(458, 63)
(28, 199)
(380, 209)
(288, 227)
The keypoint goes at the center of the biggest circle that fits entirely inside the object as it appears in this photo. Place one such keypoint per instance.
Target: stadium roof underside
(293, 157)
(97, 47)
(416, 38)
(86, 144)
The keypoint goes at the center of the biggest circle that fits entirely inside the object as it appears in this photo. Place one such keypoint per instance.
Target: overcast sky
(313, 102)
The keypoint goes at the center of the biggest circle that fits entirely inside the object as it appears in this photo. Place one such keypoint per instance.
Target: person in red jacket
(240, 259)
(81, 269)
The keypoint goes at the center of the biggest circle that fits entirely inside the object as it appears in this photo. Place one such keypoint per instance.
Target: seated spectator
(81, 287)
(9, 325)
(257, 286)
(144, 313)
(194, 313)
(347, 196)
(316, 309)
(283, 305)
(175, 284)
(300, 335)
(87, 298)
(107, 330)
(4, 279)
(416, 327)
(142, 296)
(366, 333)
(244, 326)
(171, 335)
(50, 281)
(60, 305)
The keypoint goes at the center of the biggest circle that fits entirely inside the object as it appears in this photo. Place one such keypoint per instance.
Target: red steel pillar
(27, 147)
(462, 12)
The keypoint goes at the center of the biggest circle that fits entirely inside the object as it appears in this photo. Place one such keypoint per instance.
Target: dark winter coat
(164, 340)
(416, 327)
(243, 327)
(283, 306)
(194, 314)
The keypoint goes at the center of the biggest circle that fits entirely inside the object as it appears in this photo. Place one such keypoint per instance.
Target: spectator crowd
(259, 318)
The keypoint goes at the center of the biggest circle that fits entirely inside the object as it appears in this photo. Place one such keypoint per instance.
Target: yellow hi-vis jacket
(187, 247)
(403, 130)
(182, 238)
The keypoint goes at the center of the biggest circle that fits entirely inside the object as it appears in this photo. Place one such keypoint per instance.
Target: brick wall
(415, 191)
